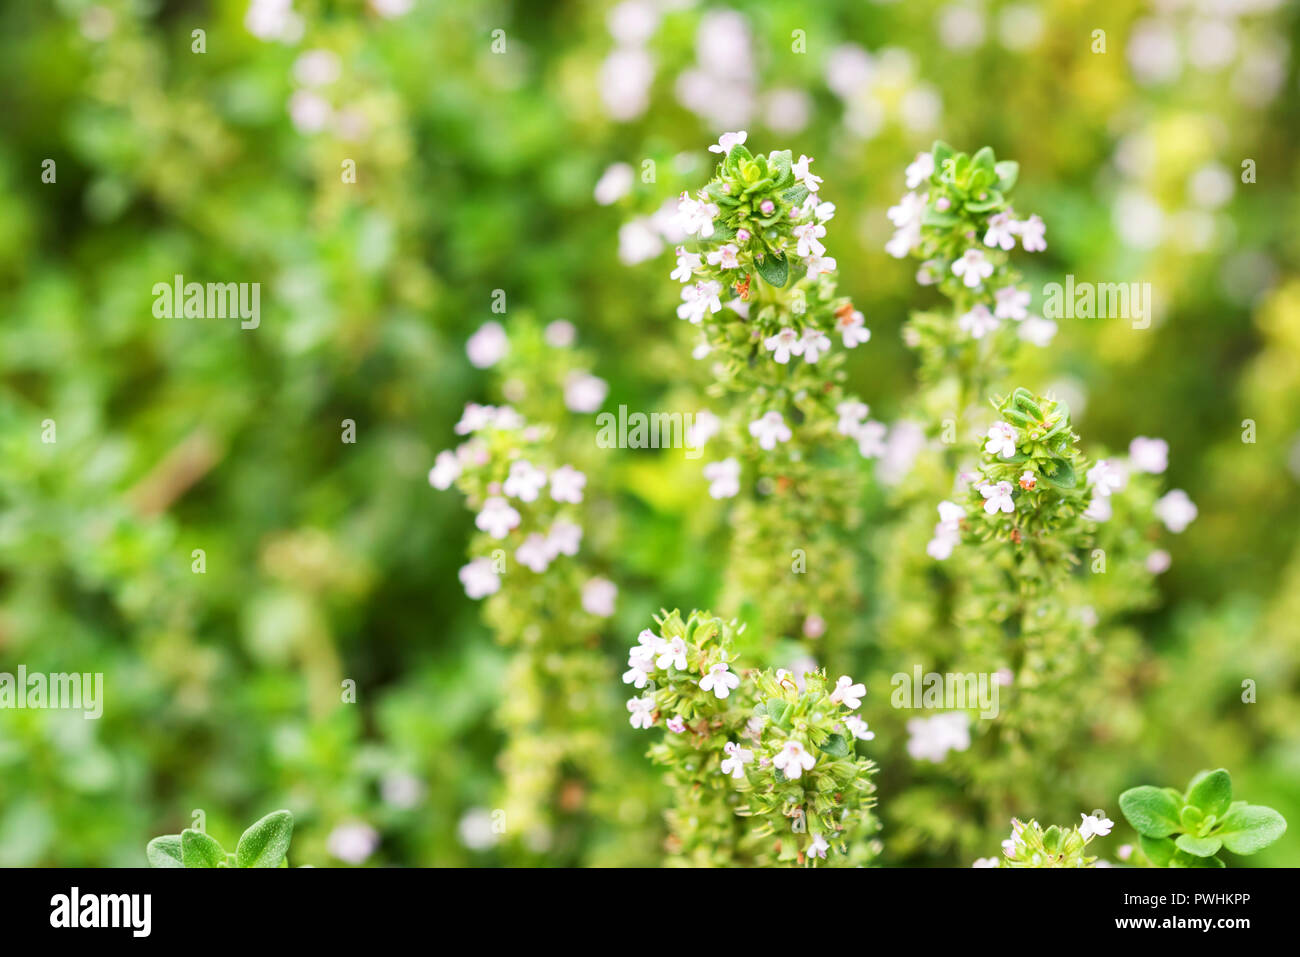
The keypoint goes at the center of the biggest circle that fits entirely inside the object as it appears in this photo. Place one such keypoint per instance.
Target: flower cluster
(762, 764)
(1030, 845)
(958, 220)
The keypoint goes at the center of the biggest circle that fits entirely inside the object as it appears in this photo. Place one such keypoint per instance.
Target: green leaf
(836, 746)
(165, 851)
(1060, 473)
(781, 162)
(1008, 171)
(932, 217)
(1211, 791)
(1182, 859)
(1199, 846)
(776, 709)
(774, 269)
(795, 196)
(1151, 811)
(266, 842)
(1250, 828)
(199, 850)
(1159, 850)
(984, 159)
(994, 200)
(941, 151)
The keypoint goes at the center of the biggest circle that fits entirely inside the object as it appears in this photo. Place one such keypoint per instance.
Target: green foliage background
(328, 561)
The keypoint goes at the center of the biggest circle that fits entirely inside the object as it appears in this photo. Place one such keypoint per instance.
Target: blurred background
(487, 139)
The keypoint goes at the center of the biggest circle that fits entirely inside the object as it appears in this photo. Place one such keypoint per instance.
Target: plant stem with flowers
(761, 287)
(762, 764)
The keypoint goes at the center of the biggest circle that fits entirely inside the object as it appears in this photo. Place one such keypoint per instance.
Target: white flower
(919, 170)
(584, 392)
(972, 267)
(1032, 231)
(1158, 562)
(648, 645)
(851, 414)
(1002, 438)
(724, 257)
(1176, 510)
(488, 346)
(1149, 455)
(316, 68)
(814, 342)
(792, 760)
(638, 669)
(309, 111)
(474, 418)
(698, 300)
(1106, 477)
(534, 553)
(823, 212)
(871, 439)
(1011, 303)
(724, 478)
(1098, 510)
(819, 847)
(446, 469)
(639, 241)
(814, 626)
(1038, 331)
(727, 140)
(809, 236)
(567, 484)
(672, 653)
(930, 739)
(352, 843)
(769, 430)
(479, 578)
(1001, 232)
(735, 760)
(524, 482)
(784, 344)
(720, 681)
(1095, 826)
(978, 322)
(643, 712)
(1028, 480)
(695, 216)
(564, 538)
(820, 265)
(908, 211)
(705, 427)
(676, 725)
(998, 497)
(947, 532)
(904, 241)
(497, 518)
(615, 183)
(598, 597)
(985, 862)
(853, 329)
(848, 693)
(804, 175)
(688, 264)
(858, 728)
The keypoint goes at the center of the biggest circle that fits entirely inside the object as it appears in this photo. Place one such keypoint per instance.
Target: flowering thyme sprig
(759, 283)
(957, 218)
(1032, 845)
(543, 601)
(762, 764)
